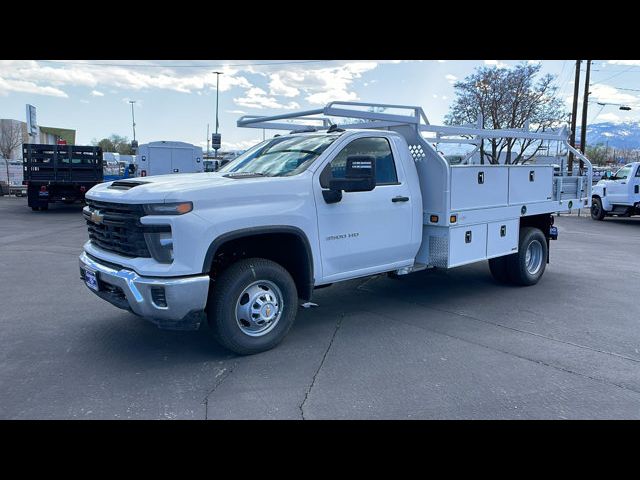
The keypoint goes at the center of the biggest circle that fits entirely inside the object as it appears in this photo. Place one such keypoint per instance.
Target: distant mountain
(619, 135)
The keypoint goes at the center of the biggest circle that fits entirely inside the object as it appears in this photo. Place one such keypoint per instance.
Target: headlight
(178, 208)
(160, 246)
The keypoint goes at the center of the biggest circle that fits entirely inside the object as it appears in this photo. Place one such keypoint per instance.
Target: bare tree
(508, 98)
(10, 139)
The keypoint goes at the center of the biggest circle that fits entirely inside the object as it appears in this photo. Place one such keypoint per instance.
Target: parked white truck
(165, 157)
(243, 246)
(618, 194)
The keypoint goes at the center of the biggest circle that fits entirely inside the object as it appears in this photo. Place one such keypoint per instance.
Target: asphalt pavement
(431, 345)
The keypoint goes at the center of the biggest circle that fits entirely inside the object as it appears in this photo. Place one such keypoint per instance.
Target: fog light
(434, 218)
(158, 296)
(453, 219)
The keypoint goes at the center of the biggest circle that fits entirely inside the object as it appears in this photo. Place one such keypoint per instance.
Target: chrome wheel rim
(259, 308)
(533, 257)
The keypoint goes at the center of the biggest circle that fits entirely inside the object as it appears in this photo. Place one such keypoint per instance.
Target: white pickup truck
(244, 246)
(618, 194)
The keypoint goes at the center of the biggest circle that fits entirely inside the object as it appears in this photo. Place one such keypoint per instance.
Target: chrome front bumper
(173, 303)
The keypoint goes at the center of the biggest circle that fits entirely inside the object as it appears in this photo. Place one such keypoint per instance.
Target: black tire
(597, 212)
(498, 268)
(517, 269)
(35, 209)
(44, 207)
(225, 295)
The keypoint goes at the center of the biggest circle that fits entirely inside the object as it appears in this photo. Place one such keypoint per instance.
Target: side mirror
(360, 176)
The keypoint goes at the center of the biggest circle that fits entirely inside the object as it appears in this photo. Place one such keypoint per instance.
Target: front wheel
(597, 212)
(252, 306)
(527, 266)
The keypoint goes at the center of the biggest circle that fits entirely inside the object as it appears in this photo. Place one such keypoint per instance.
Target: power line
(612, 76)
(211, 65)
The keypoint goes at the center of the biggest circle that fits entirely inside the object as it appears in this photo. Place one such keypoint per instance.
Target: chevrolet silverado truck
(243, 247)
(617, 195)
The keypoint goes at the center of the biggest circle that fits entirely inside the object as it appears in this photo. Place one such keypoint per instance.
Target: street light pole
(217, 95)
(133, 120)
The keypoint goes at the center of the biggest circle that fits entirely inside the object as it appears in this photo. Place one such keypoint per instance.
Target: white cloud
(278, 87)
(91, 75)
(497, 63)
(320, 85)
(257, 98)
(609, 117)
(624, 62)
(607, 94)
(450, 78)
(8, 85)
(435, 95)
(84, 101)
(96, 93)
(239, 112)
(441, 61)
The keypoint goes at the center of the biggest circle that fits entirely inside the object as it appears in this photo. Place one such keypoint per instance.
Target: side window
(378, 148)
(638, 172)
(623, 173)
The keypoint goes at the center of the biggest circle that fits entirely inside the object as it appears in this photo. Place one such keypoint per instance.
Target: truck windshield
(281, 156)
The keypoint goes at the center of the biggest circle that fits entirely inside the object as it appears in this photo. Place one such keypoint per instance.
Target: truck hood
(165, 188)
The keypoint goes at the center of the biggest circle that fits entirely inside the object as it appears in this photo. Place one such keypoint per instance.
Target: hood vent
(125, 185)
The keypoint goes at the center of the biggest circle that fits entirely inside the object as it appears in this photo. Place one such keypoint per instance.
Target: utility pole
(574, 114)
(585, 107)
(208, 139)
(216, 143)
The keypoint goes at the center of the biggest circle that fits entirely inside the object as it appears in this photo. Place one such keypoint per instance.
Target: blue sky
(175, 99)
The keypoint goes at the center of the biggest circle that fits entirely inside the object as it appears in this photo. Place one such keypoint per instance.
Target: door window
(376, 147)
(623, 173)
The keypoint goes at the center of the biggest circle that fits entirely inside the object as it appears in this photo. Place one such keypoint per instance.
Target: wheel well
(291, 250)
(542, 221)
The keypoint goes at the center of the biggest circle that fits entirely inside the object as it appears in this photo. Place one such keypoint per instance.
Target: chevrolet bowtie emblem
(96, 216)
(268, 310)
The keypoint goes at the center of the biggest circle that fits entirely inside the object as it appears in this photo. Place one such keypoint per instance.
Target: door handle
(400, 199)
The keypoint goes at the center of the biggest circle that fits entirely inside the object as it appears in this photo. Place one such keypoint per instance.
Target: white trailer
(165, 157)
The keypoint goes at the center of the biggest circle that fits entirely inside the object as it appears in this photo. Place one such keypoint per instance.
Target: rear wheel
(527, 266)
(35, 209)
(252, 306)
(597, 212)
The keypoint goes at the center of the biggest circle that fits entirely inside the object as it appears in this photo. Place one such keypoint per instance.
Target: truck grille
(119, 229)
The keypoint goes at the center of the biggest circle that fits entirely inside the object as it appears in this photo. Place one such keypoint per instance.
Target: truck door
(365, 232)
(618, 188)
(635, 186)
(182, 160)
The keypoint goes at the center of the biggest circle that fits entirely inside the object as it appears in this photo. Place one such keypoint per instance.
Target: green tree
(508, 98)
(115, 143)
